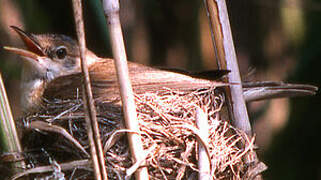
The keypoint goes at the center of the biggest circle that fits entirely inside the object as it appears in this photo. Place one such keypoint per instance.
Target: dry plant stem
(111, 8)
(92, 128)
(223, 43)
(85, 163)
(138, 163)
(8, 132)
(44, 126)
(203, 158)
(224, 46)
(115, 137)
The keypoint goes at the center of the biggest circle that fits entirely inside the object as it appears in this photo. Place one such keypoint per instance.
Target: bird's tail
(254, 91)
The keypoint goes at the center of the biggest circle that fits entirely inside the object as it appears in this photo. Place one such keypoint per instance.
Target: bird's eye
(61, 52)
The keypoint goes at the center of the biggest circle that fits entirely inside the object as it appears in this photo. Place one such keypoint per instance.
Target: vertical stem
(203, 159)
(91, 114)
(8, 133)
(223, 43)
(224, 46)
(111, 8)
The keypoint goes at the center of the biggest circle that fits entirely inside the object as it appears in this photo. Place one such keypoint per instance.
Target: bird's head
(49, 56)
(46, 57)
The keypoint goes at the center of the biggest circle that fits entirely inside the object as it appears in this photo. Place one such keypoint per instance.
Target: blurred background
(279, 39)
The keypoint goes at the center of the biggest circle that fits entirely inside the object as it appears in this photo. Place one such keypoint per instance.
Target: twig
(138, 163)
(92, 124)
(203, 158)
(44, 126)
(64, 166)
(115, 137)
(8, 132)
(198, 135)
(111, 9)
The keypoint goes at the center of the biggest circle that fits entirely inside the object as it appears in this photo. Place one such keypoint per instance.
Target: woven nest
(169, 133)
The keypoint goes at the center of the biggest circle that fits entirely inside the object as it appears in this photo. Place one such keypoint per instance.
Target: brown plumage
(143, 78)
(52, 70)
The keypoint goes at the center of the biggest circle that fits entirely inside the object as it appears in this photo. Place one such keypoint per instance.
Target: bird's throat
(32, 88)
(31, 94)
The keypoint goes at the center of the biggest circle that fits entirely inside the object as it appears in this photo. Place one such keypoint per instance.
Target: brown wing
(143, 78)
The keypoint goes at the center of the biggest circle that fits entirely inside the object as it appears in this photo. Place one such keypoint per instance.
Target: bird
(51, 69)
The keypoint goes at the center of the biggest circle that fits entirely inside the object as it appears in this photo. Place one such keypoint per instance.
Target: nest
(169, 134)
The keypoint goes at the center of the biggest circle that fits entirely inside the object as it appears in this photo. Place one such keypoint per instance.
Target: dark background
(280, 39)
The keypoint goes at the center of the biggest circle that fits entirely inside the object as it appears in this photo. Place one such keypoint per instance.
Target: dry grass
(168, 131)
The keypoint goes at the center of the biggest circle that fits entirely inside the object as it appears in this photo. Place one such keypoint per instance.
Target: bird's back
(143, 78)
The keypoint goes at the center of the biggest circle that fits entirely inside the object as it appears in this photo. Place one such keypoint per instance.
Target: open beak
(34, 51)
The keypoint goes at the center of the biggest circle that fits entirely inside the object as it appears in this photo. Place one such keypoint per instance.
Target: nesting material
(168, 131)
